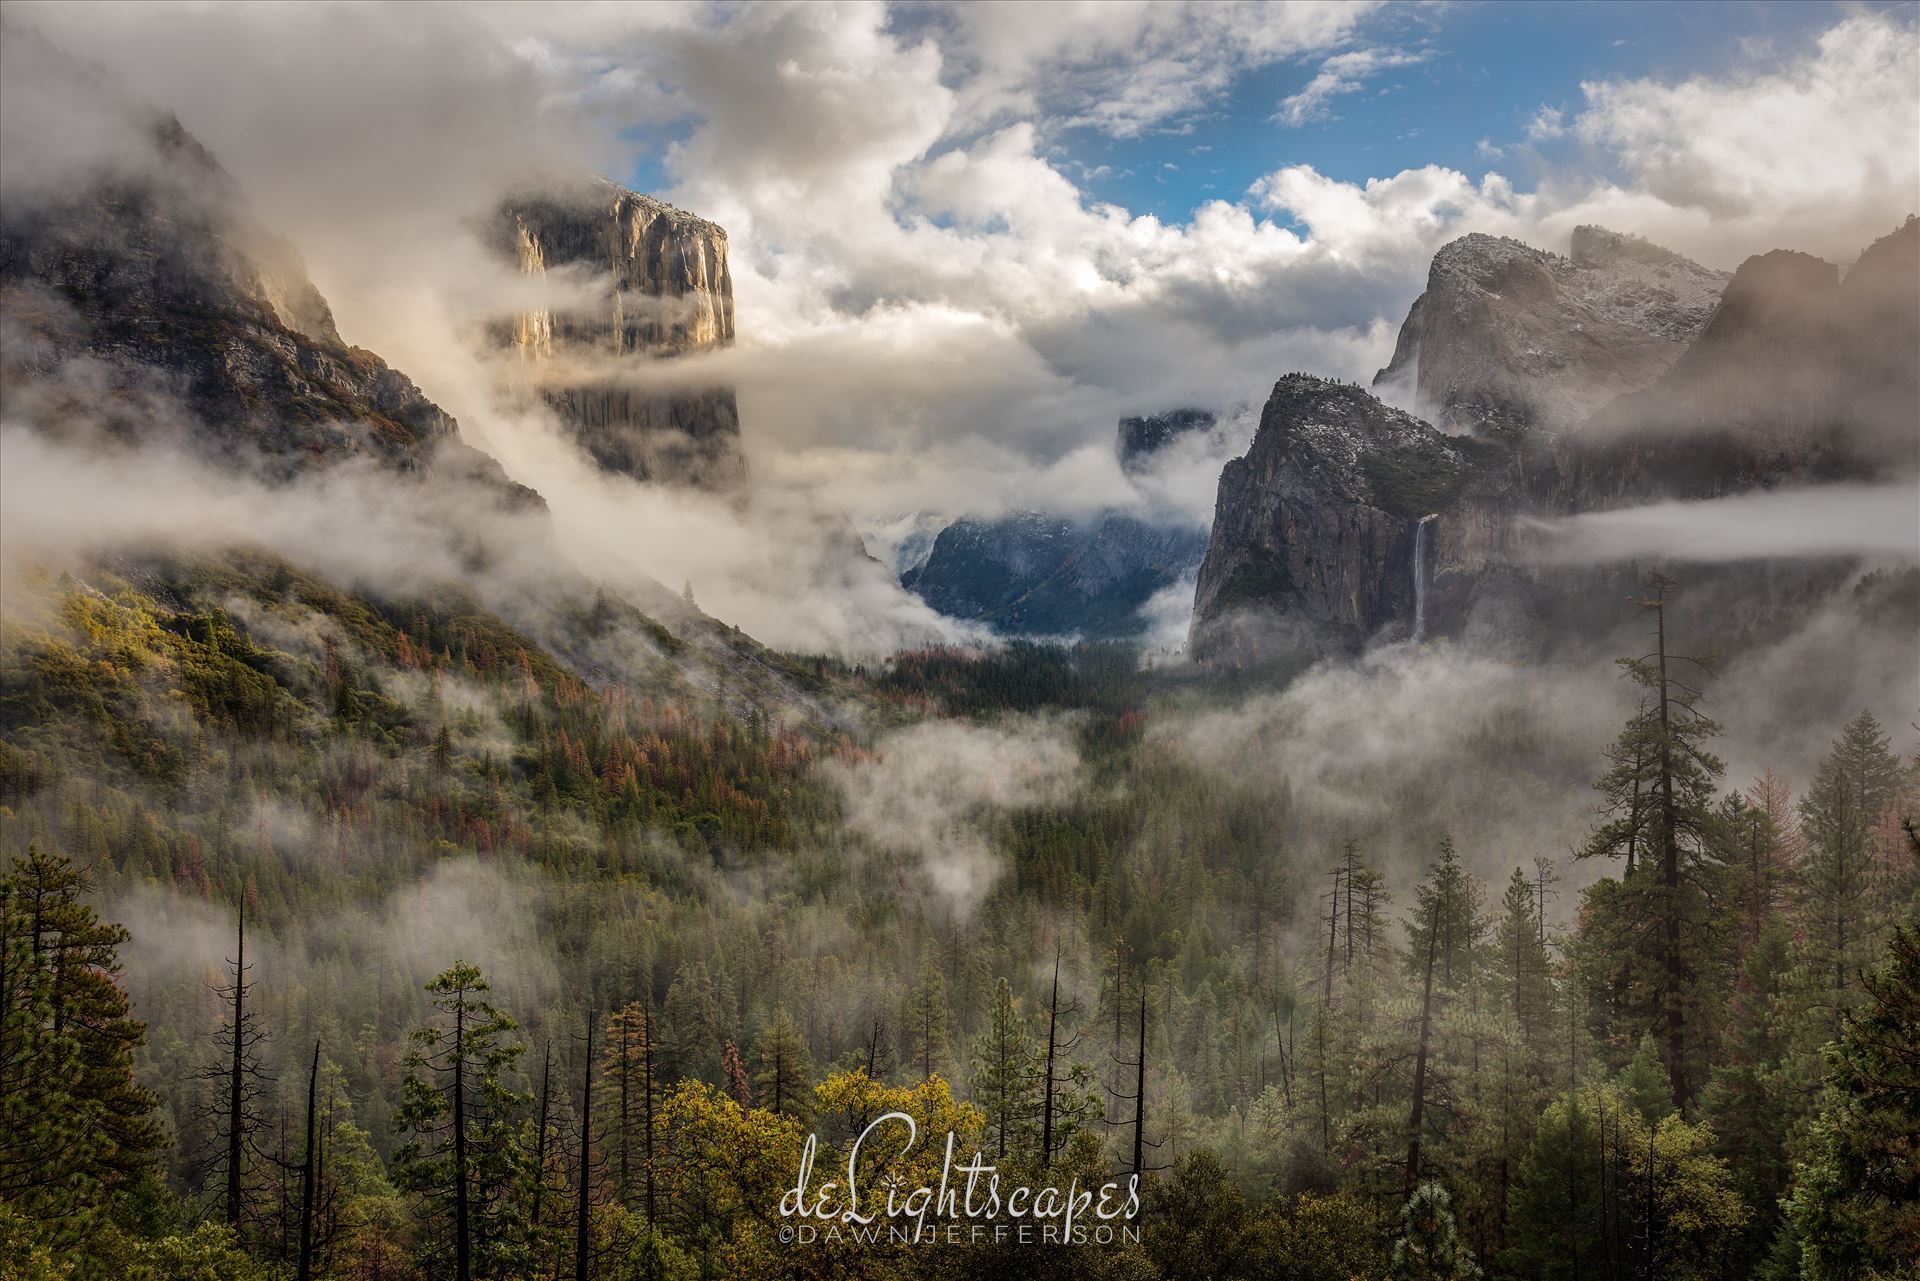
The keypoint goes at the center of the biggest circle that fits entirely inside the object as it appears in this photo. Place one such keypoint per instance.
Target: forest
(349, 936)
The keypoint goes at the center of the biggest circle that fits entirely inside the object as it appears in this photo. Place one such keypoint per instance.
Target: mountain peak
(1509, 334)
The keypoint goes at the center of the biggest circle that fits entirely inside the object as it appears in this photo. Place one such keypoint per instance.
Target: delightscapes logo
(970, 1204)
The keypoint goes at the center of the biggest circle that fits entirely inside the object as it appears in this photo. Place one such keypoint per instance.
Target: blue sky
(1487, 68)
(1479, 72)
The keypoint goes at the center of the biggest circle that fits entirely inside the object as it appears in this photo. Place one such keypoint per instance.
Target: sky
(966, 239)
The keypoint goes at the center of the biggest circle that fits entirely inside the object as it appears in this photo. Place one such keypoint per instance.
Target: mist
(1874, 520)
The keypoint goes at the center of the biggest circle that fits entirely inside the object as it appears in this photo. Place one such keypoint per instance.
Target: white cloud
(1547, 123)
(934, 314)
(1822, 521)
(931, 792)
(1124, 68)
(1821, 153)
(1342, 73)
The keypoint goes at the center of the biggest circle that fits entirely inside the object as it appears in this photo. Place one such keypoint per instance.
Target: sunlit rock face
(645, 282)
(143, 305)
(1513, 335)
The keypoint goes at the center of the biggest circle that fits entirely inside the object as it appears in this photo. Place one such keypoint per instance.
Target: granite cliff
(144, 306)
(1508, 333)
(1314, 531)
(662, 288)
(1565, 386)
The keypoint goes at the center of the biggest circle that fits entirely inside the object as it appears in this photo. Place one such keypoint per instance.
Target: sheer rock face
(1512, 334)
(143, 306)
(1800, 375)
(661, 288)
(1314, 529)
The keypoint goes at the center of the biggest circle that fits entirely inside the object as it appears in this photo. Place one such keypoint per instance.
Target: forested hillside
(405, 813)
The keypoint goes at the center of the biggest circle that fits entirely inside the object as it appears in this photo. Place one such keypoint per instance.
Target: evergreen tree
(463, 1157)
(76, 1130)
(629, 1094)
(1605, 1194)
(733, 1075)
(924, 1024)
(784, 1082)
(1850, 788)
(1751, 1099)
(1006, 1074)
(690, 1025)
(1429, 1246)
(1522, 971)
(1670, 793)
(1447, 904)
(1855, 1207)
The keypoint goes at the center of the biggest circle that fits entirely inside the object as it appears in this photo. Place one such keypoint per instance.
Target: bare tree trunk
(584, 1217)
(462, 1246)
(236, 1107)
(1420, 1063)
(307, 1172)
(540, 1136)
(1676, 1024)
(1046, 1115)
(1140, 1090)
(646, 1096)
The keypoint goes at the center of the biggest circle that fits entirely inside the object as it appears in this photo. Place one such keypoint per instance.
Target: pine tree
(1429, 1246)
(1522, 970)
(924, 1023)
(733, 1075)
(463, 1157)
(1855, 1207)
(1850, 788)
(1006, 1073)
(690, 1025)
(1628, 784)
(76, 1130)
(1669, 794)
(1751, 1099)
(784, 1082)
(631, 1087)
(1447, 904)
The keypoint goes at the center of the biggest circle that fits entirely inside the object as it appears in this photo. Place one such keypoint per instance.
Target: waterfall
(1420, 578)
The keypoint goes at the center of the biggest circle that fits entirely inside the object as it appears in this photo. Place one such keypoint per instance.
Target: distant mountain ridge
(1037, 574)
(142, 308)
(145, 305)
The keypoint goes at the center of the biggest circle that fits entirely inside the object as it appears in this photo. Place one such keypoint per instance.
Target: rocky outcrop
(1510, 335)
(142, 304)
(660, 288)
(1314, 530)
